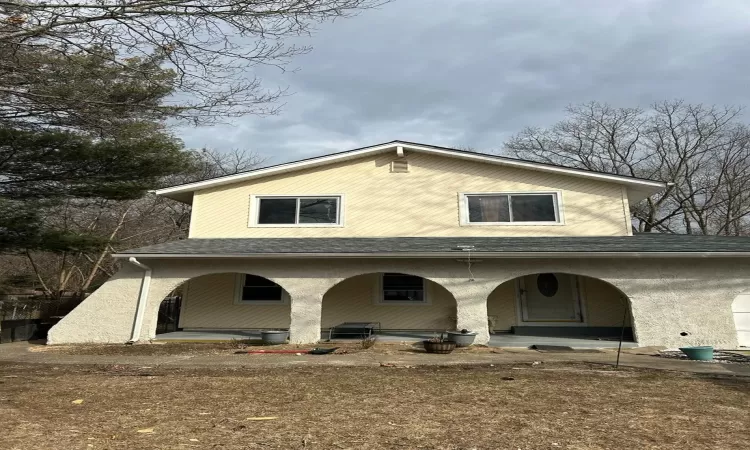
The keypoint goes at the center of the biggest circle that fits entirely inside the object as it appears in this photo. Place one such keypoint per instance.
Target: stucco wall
(667, 296)
(423, 202)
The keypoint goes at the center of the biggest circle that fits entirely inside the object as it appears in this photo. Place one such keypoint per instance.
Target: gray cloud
(472, 73)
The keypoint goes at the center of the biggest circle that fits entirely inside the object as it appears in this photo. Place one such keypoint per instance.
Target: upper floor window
(297, 211)
(505, 208)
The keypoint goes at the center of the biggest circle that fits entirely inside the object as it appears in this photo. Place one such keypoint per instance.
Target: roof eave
(443, 255)
(644, 188)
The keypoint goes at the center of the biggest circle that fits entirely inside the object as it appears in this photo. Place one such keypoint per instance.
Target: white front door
(550, 297)
(741, 311)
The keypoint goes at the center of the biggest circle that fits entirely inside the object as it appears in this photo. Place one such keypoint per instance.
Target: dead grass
(558, 406)
(215, 348)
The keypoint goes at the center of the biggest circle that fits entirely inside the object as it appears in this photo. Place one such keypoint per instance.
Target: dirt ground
(520, 406)
(211, 348)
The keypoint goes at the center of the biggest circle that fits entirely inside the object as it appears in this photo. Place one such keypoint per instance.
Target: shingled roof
(639, 244)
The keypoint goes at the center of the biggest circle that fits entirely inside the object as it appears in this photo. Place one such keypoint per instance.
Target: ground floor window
(255, 289)
(401, 288)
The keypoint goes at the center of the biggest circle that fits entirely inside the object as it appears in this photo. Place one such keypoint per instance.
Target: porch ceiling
(639, 245)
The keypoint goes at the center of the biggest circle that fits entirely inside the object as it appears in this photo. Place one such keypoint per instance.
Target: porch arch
(600, 305)
(358, 298)
(214, 300)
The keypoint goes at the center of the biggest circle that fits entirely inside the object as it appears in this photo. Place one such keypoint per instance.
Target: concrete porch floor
(496, 340)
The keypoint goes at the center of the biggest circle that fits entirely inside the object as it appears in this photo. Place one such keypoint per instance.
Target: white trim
(464, 209)
(183, 304)
(450, 255)
(255, 211)
(626, 211)
(140, 309)
(239, 283)
(380, 300)
(521, 311)
(192, 216)
(648, 187)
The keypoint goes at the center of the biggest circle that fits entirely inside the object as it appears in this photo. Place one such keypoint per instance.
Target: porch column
(471, 306)
(307, 305)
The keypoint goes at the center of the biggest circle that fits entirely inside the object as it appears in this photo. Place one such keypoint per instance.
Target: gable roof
(638, 188)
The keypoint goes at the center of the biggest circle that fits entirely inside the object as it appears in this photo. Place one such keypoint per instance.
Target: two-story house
(421, 238)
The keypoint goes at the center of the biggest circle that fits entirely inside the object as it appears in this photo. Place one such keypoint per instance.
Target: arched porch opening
(229, 305)
(560, 305)
(393, 305)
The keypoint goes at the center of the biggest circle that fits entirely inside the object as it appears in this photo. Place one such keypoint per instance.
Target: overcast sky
(471, 73)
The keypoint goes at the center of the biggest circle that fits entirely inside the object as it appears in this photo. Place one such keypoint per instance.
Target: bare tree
(120, 224)
(211, 46)
(703, 151)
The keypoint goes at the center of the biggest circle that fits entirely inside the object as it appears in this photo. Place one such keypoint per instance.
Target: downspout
(140, 309)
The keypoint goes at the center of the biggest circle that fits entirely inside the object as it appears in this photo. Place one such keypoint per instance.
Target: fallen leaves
(77, 402)
(146, 430)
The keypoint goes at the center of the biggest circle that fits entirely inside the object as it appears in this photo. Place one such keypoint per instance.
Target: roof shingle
(639, 243)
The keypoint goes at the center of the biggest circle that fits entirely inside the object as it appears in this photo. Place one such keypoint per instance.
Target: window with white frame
(255, 289)
(504, 208)
(401, 288)
(298, 211)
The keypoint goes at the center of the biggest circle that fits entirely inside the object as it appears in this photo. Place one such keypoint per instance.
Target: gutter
(449, 255)
(140, 309)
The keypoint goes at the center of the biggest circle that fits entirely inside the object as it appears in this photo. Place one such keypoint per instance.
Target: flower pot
(274, 337)
(442, 348)
(462, 339)
(699, 353)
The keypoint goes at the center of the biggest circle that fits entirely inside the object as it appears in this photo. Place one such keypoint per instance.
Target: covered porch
(507, 301)
(541, 308)
(506, 340)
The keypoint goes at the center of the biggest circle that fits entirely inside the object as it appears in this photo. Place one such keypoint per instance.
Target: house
(415, 237)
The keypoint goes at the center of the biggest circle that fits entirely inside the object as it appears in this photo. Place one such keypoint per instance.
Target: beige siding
(209, 303)
(604, 304)
(355, 300)
(423, 202)
(501, 307)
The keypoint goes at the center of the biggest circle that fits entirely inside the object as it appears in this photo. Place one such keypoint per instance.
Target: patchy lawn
(520, 406)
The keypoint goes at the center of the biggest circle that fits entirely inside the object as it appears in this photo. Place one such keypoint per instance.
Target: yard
(517, 406)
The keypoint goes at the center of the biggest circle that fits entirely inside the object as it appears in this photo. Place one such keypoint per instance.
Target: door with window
(550, 297)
